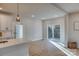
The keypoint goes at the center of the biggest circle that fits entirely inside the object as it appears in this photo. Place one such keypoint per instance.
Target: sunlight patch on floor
(66, 51)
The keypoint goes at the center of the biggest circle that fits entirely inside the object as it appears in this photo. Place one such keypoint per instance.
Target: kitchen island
(14, 47)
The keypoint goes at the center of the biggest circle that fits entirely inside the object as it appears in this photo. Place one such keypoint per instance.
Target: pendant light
(18, 16)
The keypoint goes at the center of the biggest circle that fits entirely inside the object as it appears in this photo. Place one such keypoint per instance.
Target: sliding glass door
(50, 34)
(54, 32)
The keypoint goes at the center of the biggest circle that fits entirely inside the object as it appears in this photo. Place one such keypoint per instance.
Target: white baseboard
(36, 39)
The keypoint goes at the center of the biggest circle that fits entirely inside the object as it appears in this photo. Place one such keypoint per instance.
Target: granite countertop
(11, 42)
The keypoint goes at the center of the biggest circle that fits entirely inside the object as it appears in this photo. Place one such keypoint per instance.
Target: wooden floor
(44, 48)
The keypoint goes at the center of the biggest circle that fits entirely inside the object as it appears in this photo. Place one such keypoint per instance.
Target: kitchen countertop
(11, 42)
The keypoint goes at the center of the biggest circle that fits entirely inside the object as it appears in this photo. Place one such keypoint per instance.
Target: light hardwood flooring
(44, 48)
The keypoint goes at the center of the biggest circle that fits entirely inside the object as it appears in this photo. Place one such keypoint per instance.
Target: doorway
(55, 32)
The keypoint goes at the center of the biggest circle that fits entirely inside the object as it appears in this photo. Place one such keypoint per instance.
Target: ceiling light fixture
(33, 16)
(1, 8)
(43, 18)
(18, 16)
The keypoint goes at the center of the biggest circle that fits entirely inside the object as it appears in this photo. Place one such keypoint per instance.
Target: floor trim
(66, 51)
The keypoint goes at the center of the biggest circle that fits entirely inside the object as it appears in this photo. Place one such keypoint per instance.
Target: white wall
(32, 29)
(6, 21)
(73, 35)
(55, 21)
(67, 24)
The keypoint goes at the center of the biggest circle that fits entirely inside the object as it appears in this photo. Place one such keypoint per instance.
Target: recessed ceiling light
(43, 18)
(55, 15)
(33, 16)
(1, 8)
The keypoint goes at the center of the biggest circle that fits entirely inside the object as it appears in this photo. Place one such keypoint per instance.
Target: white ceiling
(69, 7)
(39, 10)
